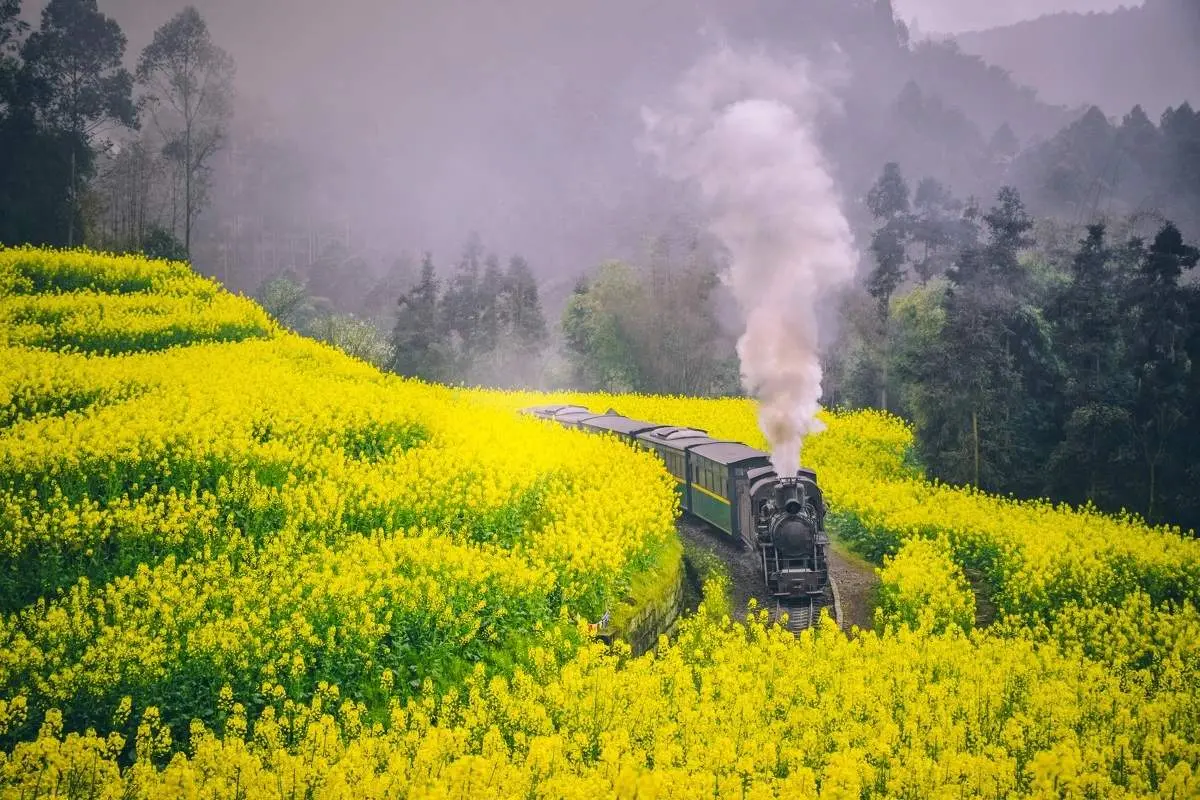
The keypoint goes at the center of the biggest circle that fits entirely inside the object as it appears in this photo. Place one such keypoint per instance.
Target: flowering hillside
(236, 563)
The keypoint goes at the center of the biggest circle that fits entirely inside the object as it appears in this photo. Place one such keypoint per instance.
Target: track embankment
(855, 577)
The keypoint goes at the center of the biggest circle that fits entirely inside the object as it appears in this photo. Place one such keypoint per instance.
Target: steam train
(734, 488)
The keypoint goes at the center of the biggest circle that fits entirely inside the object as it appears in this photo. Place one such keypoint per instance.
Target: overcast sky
(956, 16)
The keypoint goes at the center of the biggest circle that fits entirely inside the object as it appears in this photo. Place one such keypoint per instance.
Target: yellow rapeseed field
(237, 563)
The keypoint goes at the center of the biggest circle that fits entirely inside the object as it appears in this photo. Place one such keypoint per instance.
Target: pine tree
(493, 315)
(888, 201)
(1159, 357)
(1085, 464)
(462, 307)
(528, 324)
(991, 377)
(417, 338)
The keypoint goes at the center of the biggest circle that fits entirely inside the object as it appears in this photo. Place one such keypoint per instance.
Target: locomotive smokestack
(789, 495)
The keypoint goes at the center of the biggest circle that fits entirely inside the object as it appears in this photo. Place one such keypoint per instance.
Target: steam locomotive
(734, 488)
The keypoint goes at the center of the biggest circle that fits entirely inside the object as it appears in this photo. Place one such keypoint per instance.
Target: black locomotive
(735, 489)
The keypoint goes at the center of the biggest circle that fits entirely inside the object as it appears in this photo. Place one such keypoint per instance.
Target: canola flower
(727, 710)
(256, 567)
(921, 586)
(180, 512)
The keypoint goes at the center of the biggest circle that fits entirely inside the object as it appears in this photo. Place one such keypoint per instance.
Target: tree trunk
(883, 403)
(73, 204)
(975, 437)
(1150, 509)
(187, 191)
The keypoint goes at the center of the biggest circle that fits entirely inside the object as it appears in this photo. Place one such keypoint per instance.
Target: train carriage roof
(732, 454)
(574, 416)
(549, 411)
(617, 423)
(675, 438)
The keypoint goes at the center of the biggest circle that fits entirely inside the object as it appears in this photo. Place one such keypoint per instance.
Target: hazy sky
(956, 16)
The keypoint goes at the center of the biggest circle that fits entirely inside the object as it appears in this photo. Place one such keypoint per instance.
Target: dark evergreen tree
(461, 305)
(988, 384)
(417, 338)
(1090, 460)
(528, 323)
(1160, 363)
(1180, 174)
(493, 311)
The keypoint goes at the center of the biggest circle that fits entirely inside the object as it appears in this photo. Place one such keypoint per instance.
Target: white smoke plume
(743, 128)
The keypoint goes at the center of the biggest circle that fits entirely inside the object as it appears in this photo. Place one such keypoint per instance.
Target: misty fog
(951, 16)
(406, 126)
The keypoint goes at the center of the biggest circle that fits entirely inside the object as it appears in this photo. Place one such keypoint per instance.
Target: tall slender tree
(888, 201)
(416, 338)
(1089, 337)
(189, 84)
(1159, 358)
(75, 84)
(524, 305)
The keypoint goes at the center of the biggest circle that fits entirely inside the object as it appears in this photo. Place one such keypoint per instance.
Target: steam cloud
(744, 129)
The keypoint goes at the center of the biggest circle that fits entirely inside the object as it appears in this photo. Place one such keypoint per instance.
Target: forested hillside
(1144, 54)
(1033, 357)
(619, 288)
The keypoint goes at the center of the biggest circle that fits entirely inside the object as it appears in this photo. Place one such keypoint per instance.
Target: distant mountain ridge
(1148, 55)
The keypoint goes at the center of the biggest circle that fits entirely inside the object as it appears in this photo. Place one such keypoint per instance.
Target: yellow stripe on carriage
(713, 495)
(700, 488)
